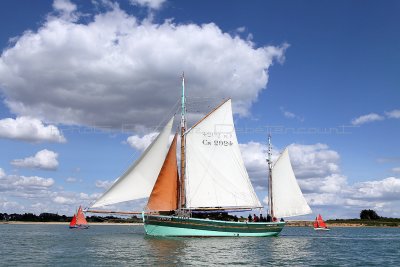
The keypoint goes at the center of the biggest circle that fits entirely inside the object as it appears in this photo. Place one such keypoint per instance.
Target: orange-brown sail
(164, 196)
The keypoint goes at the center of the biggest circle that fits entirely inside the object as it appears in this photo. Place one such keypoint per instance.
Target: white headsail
(138, 181)
(287, 198)
(215, 172)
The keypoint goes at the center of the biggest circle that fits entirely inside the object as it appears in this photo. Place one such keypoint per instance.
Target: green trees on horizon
(369, 215)
(53, 217)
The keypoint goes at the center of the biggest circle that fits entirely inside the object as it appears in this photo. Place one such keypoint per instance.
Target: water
(56, 245)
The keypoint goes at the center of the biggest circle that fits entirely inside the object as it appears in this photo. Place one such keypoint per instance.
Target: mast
(181, 203)
(269, 161)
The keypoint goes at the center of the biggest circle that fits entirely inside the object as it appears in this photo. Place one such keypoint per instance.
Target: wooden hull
(157, 225)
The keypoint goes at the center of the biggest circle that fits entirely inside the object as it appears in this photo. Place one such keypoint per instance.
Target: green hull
(178, 226)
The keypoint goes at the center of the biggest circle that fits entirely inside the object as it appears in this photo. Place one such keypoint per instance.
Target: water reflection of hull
(158, 225)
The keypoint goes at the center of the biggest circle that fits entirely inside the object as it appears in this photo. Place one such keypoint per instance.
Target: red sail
(321, 222)
(80, 217)
(73, 221)
(316, 223)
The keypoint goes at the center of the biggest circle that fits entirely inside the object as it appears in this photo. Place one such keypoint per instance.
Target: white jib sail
(287, 198)
(215, 172)
(138, 181)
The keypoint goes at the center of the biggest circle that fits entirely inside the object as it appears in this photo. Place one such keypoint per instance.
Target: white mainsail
(215, 172)
(287, 198)
(138, 181)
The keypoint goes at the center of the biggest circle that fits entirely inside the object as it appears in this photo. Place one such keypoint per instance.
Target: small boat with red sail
(79, 220)
(319, 224)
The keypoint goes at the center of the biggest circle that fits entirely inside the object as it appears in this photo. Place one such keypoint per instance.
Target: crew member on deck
(256, 219)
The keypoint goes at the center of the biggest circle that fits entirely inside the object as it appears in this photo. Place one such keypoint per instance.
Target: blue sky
(322, 76)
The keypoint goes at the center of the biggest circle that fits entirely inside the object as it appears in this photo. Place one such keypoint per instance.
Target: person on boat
(269, 218)
(274, 219)
(261, 218)
(282, 220)
(250, 219)
(256, 219)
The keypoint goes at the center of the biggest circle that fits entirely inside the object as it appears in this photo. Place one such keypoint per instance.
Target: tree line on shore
(53, 217)
(369, 218)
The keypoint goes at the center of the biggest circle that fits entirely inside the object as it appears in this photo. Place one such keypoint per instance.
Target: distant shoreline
(67, 223)
(342, 224)
(288, 224)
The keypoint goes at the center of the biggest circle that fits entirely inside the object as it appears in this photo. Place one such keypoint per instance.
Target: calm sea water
(56, 245)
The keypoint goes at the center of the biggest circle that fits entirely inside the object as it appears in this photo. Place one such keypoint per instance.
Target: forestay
(138, 181)
(287, 197)
(215, 172)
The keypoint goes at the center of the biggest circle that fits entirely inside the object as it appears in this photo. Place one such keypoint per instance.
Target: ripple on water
(49, 245)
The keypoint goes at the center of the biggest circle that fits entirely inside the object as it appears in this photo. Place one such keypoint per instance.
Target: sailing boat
(79, 220)
(212, 179)
(319, 224)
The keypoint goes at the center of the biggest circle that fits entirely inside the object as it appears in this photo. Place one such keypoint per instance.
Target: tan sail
(164, 196)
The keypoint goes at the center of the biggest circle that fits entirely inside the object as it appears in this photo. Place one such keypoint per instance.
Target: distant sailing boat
(319, 224)
(212, 178)
(79, 220)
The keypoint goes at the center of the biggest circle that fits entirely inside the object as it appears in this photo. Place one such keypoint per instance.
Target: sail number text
(217, 138)
(216, 143)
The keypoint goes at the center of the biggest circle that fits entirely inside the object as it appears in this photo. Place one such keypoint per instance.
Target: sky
(85, 86)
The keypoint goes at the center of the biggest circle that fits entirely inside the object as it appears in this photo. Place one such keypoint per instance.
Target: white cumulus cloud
(116, 70)
(44, 159)
(66, 9)
(63, 200)
(395, 170)
(316, 166)
(241, 29)
(386, 189)
(254, 155)
(20, 184)
(29, 129)
(36, 194)
(325, 187)
(290, 115)
(367, 118)
(71, 180)
(141, 143)
(394, 114)
(313, 161)
(104, 184)
(64, 5)
(153, 4)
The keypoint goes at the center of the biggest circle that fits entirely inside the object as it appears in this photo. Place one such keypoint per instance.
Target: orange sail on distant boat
(319, 224)
(79, 220)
